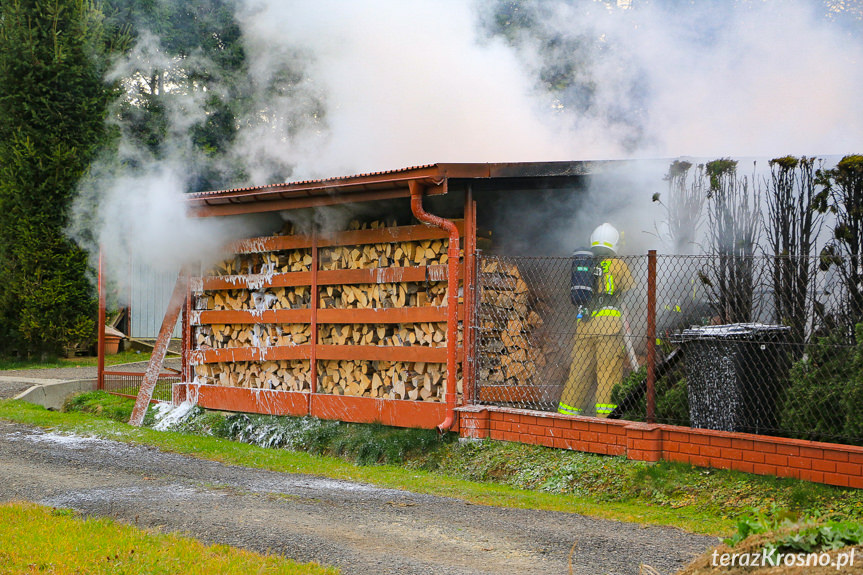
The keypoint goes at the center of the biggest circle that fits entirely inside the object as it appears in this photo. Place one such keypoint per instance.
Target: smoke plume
(382, 84)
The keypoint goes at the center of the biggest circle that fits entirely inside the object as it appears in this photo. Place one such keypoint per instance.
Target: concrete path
(50, 387)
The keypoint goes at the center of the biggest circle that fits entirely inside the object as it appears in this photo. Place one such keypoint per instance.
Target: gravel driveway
(360, 528)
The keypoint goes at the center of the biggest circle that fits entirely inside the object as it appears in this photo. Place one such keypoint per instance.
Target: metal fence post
(651, 336)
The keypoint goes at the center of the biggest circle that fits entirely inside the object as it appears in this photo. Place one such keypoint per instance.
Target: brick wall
(828, 463)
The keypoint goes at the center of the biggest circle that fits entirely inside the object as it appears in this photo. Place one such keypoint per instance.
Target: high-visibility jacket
(597, 363)
(615, 279)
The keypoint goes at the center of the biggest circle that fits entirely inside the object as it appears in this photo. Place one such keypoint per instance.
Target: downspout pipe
(416, 189)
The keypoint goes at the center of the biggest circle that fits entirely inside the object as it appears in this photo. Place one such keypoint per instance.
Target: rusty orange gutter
(316, 193)
(416, 190)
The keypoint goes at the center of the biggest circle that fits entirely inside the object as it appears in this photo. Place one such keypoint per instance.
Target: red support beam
(100, 351)
(252, 316)
(405, 353)
(327, 277)
(342, 238)
(186, 344)
(468, 366)
(315, 301)
(148, 385)
(426, 314)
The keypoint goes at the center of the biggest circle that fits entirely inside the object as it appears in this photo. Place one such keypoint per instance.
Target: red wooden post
(651, 336)
(313, 352)
(186, 336)
(468, 367)
(100, 345)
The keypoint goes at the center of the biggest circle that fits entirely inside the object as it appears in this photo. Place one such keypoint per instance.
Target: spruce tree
(53, 103)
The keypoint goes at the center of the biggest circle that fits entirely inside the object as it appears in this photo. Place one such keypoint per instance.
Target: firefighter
(599, 348)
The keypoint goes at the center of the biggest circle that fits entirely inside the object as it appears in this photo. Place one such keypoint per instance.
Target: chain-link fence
(758, 344)
(125, 380)
(129, 384)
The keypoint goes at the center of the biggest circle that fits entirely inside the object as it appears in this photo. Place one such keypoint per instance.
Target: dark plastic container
(735, 374)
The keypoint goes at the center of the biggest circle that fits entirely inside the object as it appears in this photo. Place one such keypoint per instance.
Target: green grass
(486, 472)
(37, 539)
(117, 359)
(102, 404)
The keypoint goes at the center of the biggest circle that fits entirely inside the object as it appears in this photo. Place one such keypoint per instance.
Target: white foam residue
(85, 497)
(167, 415)
(252, 245)
(72, 441)
(259, 300)
(196, 357)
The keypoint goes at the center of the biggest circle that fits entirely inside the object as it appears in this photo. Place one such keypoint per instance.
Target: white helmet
(604, 239)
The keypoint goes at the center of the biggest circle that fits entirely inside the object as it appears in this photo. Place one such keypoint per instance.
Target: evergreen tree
(53, 102)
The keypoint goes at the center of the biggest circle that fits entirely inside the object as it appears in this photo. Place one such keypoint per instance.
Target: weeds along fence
(767, 345)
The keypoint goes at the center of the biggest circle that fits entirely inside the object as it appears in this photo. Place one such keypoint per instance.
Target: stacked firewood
(431, 334)
(221, 336)
(297, 297)
(369, 378)
(286, 375)
(510, 350)
(383, 379)
(387, 295)
(264, 263)
(402, 254)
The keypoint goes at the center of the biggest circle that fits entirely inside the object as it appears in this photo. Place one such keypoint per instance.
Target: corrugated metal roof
(308, 182)
(374, 186)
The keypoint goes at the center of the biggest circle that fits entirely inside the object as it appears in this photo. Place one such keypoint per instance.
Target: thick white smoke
(409, 83)
(388, 84)
(406, 83)
(131, 206)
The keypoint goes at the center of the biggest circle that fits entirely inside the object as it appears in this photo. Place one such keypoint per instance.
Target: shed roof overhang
(382, 186)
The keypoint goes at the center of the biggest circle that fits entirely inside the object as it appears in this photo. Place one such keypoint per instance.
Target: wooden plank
(332, 315)
(338, 352)
(251, 316)
(256, 281)
(345, 238)
(250, 400)
(327, 277)
(394, 412)
(234, 354)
